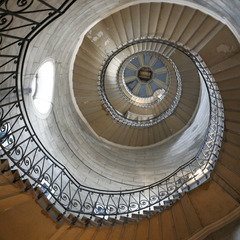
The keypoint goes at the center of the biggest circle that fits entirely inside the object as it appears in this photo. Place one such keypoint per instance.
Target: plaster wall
(66, 137)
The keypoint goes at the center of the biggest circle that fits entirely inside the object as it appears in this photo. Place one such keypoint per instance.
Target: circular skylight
(132, 88)
(144, 74)
(42, 87)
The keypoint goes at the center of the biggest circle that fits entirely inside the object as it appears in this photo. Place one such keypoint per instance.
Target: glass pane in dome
(129, 72)
(147, 59)
(135, 62)
(162, 77)
(142, 92)
(158, 64)
(132, 84)
(154, 86)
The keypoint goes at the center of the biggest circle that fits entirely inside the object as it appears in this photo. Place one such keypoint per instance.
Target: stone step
(127, 220)
(50, 208)
(88, 222)
(4, 165)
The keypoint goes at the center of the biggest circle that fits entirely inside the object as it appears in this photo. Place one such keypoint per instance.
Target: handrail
(20, 144)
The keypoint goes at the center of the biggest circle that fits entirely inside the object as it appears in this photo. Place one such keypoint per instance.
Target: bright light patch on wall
(199, 171)
(42, 87)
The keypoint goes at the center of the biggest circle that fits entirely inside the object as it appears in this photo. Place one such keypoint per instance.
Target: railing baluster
(35, 156)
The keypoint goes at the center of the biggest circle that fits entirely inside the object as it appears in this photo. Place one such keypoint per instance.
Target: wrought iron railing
(20, 145)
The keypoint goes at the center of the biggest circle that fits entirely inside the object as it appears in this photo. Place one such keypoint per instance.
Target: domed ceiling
(132, 88)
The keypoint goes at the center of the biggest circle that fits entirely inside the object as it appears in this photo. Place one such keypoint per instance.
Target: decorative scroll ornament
(26, 153)
(5, 21)
(20, 6)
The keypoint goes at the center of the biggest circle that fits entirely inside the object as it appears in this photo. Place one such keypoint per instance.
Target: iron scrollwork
(18, 7)
(24, 151)
(5, 21)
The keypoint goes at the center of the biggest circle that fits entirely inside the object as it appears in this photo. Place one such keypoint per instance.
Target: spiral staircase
(211, 210)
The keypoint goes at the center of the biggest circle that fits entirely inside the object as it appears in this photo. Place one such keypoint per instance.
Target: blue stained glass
(129, 72)
(135, 62)
(147, 59)
(132, 84)
(154, 86)
(162, 77)
(158, 64)
(142, 92)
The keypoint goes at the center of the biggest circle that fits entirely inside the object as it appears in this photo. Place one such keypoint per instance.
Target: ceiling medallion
(145, 75)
